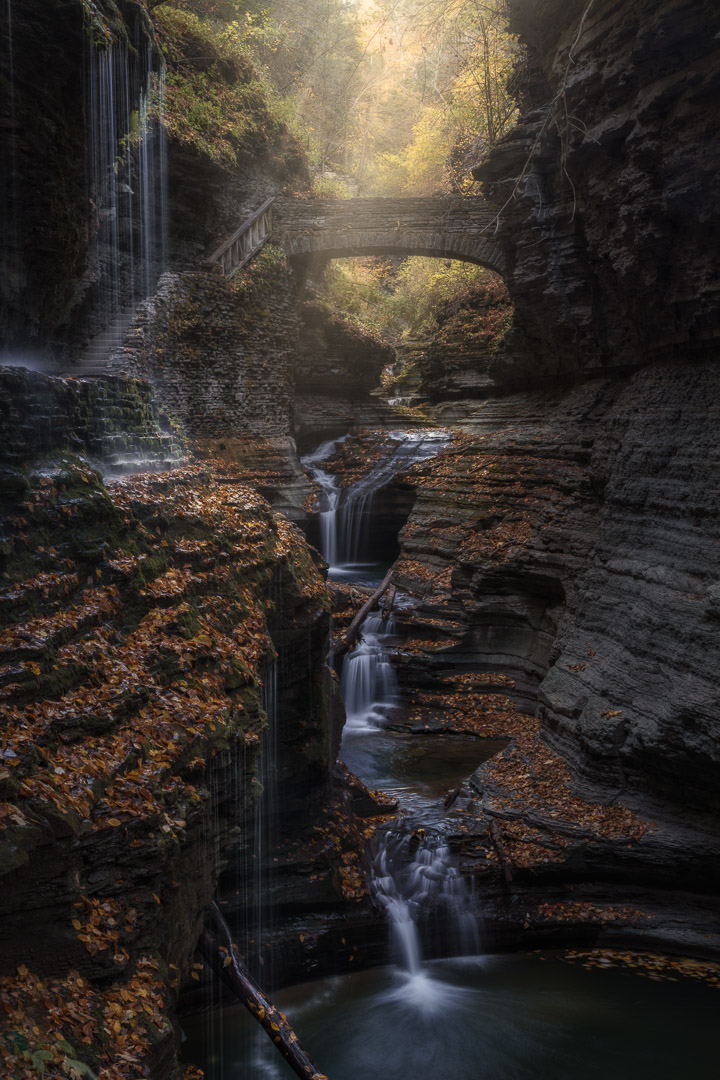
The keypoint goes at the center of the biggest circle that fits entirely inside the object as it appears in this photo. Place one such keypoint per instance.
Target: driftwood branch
(353, 629)
(216, 945)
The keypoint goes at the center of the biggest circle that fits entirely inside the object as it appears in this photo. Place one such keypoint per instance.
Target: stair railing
(249, 238)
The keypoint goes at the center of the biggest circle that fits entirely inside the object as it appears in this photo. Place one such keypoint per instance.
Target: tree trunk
(390, 600)
(217, 946)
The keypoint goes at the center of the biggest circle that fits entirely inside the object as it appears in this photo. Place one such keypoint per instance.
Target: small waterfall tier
(346, 515)
(367, 683)
(415, 881)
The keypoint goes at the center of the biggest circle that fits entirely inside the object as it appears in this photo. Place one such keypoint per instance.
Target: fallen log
(217, 946)
(450, 798)
(353, 629)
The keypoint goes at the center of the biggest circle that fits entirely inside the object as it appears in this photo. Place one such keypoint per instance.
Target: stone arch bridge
(443, 227)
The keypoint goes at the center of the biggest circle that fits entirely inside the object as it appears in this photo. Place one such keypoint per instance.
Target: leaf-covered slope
(136, 633)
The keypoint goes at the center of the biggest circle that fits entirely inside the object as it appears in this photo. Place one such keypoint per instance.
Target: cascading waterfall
(9, 48)
(127, 181)
(265, 822)
(367, 683)
(153, 170)
(12, 223)
(330, 497)
(346, 515)
(412, 877)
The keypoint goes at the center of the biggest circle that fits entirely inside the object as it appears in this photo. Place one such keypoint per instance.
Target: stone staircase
(114, 421)
(95, 357)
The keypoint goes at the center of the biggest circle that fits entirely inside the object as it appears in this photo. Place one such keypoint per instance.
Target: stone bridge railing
(449, 227)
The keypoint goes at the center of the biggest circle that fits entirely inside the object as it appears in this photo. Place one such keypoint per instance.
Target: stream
(466, 1016)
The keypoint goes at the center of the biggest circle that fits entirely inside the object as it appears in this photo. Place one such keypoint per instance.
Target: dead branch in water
(496, 837)
(353, 629)
(217, 946)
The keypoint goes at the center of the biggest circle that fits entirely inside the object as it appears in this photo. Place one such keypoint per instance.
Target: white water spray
(329, 498)
(367, 683)
(414, 878)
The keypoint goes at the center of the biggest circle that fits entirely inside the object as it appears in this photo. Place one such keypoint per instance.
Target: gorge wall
(607, 187)
(335, 370)
(148, 592)
(564, 548)
(569, 540)
(142, 620)
(55, 250)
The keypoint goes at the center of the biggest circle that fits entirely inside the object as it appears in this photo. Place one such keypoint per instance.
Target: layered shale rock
(607, 187)
(336, 368)
(115, 421)
(143, 619)
(567, 542)
(51, 220)
(567, 549)
(471, 328)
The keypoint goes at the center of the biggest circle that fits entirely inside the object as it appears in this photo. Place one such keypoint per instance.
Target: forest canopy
(385, 97)
(388, 97)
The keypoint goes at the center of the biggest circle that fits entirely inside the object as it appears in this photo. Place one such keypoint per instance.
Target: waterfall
(11, 206)
(265, 823)
(10, 60)
(367, 683)
(346, 515)
(412, 877)
(153, 171)
(329, 498)
(127, 177)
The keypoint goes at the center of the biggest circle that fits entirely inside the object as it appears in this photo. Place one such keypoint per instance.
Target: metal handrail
(246, 241)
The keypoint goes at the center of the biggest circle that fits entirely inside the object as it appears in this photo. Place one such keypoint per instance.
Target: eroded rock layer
(567, 549)
(607, 187)
(142, 621)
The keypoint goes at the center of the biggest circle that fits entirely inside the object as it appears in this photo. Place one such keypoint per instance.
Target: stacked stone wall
(219, 354)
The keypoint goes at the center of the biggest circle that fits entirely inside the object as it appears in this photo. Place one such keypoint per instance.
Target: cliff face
(608, 187)
(96, 200)
(142, 619)
(51, 258)
(335, 370)
(471, 329)
(568, 542)
(580, 561)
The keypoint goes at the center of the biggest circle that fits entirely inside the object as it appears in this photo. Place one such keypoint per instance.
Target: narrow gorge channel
(359, 526)
(530, 1015)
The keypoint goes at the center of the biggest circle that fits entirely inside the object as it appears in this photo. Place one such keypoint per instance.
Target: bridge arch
(451, 227)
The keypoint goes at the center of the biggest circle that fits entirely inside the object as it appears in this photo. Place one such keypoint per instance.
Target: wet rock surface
(336, 368)
(47, 230)
(115, 421)
(140, 619)
(457, 361)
